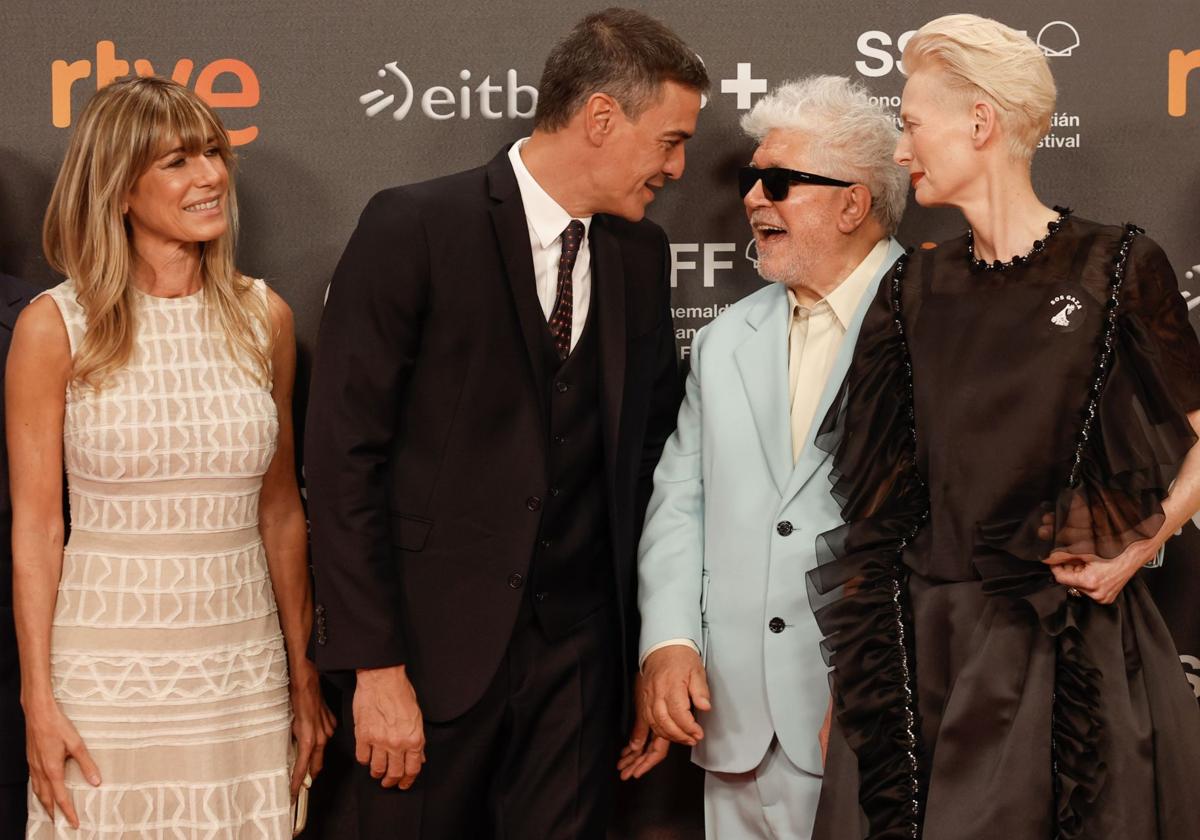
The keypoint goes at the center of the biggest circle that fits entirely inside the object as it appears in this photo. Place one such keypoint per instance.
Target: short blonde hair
(983, 57)
(123, 129)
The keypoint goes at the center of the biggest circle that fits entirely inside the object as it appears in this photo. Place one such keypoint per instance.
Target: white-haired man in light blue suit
(730, 652)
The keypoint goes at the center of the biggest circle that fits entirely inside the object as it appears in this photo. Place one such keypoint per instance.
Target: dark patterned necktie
(562, 315)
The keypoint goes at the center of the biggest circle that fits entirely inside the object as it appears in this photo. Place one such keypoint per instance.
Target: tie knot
(572, 238)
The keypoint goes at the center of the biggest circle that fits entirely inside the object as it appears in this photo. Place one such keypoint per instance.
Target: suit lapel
(608, 296)
(512, 236)
(762, 362)
(811, 456)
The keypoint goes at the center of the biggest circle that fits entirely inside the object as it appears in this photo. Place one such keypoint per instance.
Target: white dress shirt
(814, 337)
(547, 221)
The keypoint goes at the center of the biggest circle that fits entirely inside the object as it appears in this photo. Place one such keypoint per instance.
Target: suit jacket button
(539, 597)
(533, 503)
(516, 581)
(776, 624)
(784, 528)
(562, 387)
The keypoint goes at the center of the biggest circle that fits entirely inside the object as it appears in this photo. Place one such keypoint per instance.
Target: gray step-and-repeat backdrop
(329, 102)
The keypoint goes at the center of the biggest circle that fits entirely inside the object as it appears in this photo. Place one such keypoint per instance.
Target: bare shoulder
(41, 324)
(279, 312)
(40, 352)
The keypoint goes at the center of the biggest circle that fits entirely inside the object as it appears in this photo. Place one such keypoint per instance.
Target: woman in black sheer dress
(1016, 442)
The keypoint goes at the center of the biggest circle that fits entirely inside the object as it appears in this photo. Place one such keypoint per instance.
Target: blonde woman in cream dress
(163, 647)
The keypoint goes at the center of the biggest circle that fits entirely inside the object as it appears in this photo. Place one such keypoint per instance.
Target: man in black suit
(14, 294)
(495, 378)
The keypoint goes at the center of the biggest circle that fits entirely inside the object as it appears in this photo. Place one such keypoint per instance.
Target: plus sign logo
(744, 85)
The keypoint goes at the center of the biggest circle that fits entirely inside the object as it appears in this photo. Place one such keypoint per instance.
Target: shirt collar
(547, 219)
(844, 300)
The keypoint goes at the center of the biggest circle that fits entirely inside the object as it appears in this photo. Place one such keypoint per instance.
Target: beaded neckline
(1020, 259)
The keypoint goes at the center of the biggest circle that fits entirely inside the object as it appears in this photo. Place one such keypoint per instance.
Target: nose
(207, 170)
(903, 153)
(756, 198)
(675, 164)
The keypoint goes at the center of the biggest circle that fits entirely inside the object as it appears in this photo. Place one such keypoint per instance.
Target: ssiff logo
(64, 75)
(1057, 39)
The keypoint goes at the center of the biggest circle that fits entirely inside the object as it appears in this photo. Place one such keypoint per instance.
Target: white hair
(851, 137)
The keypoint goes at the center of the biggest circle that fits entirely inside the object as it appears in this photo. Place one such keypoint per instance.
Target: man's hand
(671, 685)
(644, 751)
(389, 732)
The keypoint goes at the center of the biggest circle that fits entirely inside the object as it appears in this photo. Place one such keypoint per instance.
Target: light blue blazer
(715, 565)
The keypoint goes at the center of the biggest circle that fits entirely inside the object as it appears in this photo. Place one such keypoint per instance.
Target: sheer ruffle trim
(859, 589)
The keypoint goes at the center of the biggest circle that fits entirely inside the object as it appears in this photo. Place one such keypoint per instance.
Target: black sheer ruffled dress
(990, 416)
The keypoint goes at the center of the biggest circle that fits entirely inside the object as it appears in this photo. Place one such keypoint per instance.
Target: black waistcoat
(572, 571)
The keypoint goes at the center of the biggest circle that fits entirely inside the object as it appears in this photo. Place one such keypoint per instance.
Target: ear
(856, 207)
(984, 124)
(600, 115)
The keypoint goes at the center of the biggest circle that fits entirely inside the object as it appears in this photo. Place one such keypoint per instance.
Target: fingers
(668, 720)
(649, 759)
(304, 751)
(87, 765)
(379, 762)
(412, 766)
(41, 790)
(698, 691)
(58, 789)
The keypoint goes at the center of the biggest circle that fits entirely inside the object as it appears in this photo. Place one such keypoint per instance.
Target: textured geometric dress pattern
(166, 651)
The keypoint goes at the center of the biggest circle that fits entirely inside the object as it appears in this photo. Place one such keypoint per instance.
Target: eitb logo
(484, 98)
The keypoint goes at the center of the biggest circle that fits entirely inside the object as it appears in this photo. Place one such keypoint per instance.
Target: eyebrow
(179, 150)
(680, 133)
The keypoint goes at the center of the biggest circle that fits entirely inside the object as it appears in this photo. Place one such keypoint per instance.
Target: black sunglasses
(776, 180)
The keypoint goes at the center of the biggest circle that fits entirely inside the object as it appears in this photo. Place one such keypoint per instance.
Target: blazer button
(544, 543)
(776, 624)
(562, 387)
(784, 528)
(539, 597)
(515, 581)
(560, 439)
(533, 503)
(554, 491)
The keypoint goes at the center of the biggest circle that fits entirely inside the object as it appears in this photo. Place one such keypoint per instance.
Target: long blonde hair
(123, 129)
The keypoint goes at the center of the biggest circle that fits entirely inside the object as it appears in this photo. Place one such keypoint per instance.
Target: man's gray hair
(852, 137)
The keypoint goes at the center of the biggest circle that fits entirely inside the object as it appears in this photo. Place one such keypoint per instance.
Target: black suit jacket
(14, 294)
(426, 436)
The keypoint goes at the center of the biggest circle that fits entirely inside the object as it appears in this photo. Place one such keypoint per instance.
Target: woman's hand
(50, 739)
(1100, 579)
(312, 723)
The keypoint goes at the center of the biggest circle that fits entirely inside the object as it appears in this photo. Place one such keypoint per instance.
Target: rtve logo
(64, 75)
(1179, 67)
(439, 102)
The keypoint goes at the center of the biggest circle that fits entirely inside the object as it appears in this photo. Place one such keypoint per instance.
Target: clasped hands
(1075, 564)
(672, 683)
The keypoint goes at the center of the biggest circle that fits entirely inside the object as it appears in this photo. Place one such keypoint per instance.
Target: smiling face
(640, 156)
(180, 198)
(936, 141)
(794, 234)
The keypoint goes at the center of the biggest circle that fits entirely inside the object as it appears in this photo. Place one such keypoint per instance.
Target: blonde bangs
(125, 128)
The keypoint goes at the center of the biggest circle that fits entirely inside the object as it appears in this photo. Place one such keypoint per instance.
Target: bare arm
(281, 523)
(39, 368)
